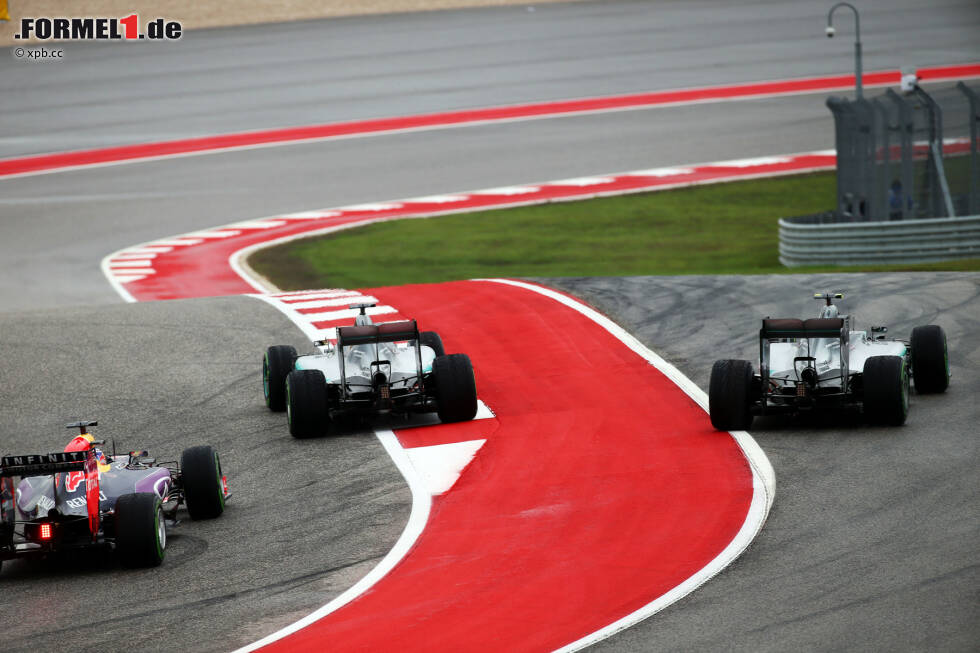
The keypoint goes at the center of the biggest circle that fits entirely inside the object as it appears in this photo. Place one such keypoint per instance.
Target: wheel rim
(289, 407)
(265, 377)
(161, 533)
(905, 389)
(221, 486)
(946, 357)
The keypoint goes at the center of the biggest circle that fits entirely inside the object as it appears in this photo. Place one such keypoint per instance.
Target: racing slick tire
(204, 491)
(306, 403)
(8, 513)
(276, 365)
(886, 390)
(433, 340)
(729, 395)
(141, 534)
(455, 388)
(930, 359)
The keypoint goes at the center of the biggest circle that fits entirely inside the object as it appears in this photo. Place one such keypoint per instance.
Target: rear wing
(776, 329)
(375, 333)
(369, 334)
(43, 464)
(816, 327)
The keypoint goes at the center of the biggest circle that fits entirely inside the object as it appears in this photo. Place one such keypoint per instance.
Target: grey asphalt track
(870, 541)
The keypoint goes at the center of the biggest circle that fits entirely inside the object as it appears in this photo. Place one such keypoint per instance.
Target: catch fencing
(908, 155)
(907, 172)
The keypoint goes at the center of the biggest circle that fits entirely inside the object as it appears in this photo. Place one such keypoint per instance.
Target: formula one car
(822, 363)
(372, 368)
(83, 497)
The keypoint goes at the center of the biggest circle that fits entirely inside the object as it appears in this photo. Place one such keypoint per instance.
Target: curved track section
(871, 545)
(212, 262)
(630, 487)
(456, 551)
(871, 522)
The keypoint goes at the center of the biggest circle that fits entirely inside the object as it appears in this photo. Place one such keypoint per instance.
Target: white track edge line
(763, 475)
(110, 277)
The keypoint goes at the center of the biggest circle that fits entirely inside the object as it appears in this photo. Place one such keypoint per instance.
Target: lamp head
(830, 31)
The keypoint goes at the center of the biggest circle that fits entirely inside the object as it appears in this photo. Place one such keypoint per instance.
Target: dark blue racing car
(84, 497)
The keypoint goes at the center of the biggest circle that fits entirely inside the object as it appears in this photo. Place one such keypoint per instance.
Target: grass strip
(728, 228)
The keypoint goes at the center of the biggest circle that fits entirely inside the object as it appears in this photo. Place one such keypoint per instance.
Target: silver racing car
(372, 368)
(822, 362)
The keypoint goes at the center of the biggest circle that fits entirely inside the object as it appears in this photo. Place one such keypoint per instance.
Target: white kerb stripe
(348, 313)
(336, 301)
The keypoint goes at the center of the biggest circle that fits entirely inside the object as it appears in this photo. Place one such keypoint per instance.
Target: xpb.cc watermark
(39, 54)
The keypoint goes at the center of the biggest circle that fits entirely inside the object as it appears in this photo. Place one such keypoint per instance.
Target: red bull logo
(73, 480)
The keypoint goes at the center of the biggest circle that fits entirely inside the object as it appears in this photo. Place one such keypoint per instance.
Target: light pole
(857, 39)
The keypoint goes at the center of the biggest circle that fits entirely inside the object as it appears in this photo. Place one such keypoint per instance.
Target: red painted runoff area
(602, 487)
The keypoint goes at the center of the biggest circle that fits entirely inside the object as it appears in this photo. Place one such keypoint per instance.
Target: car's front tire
(306, 403)
(141, 535)
(276, 365)
(886, 390)
(729, 395)
(455, 388)
(204, 491)
(930, 359)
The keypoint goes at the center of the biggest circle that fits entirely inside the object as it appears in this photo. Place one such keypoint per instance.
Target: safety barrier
(801, 242)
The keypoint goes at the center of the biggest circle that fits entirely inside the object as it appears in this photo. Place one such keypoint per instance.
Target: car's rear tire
(141, 535)
(433, 340)
(729, 395)
(8, 513)
(930, 359)
(306, 403)
(276, 365)
(204, 492)
(455, 388)
(886, 390)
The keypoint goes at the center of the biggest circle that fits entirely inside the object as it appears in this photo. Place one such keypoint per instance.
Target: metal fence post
(838, 107)
(940, 195)
(906, 131)
(973, 201)
(864, 164)
(881, 206)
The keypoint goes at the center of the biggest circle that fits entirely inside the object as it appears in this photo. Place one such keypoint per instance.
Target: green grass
(726, 228)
